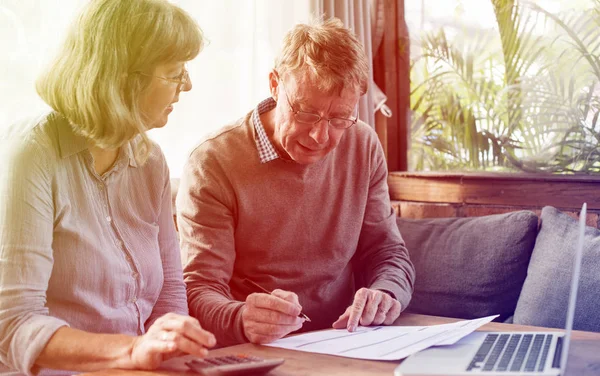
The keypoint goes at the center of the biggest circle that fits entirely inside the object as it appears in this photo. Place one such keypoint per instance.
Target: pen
(254, 285)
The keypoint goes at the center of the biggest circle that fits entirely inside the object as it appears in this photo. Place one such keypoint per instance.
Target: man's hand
(267, 317)
(171, 335)
(370, 307)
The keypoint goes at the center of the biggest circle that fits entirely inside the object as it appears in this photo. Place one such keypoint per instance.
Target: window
(504, 85)
(230, 76)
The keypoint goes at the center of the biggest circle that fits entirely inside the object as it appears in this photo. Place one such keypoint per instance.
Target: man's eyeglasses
(312, 118)
(180, 80)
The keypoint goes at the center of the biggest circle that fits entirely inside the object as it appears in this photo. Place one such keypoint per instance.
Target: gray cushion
(545, 294)
(469, 267)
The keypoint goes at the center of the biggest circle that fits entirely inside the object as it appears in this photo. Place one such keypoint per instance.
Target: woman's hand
(171, 335)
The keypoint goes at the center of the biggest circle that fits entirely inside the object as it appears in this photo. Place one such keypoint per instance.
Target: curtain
(365, 19)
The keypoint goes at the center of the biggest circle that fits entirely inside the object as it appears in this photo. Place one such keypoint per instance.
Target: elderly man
(294, 198)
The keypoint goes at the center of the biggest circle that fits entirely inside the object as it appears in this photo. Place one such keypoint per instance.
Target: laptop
(503, 353)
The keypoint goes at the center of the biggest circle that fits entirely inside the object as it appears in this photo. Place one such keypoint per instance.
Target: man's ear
(274, 84)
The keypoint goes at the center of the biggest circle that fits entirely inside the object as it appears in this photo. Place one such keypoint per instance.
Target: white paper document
(381, 342)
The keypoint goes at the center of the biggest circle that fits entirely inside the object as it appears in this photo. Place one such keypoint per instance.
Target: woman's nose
(187, 86)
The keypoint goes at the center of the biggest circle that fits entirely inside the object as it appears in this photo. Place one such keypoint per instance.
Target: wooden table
(584, 355)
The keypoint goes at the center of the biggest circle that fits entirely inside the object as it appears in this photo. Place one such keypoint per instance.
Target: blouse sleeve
(26, 259)
(172, 297)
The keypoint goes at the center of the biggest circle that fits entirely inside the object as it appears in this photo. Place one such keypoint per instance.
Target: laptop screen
(574, 288)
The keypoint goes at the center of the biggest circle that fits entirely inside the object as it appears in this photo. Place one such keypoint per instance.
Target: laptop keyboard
(512, 353)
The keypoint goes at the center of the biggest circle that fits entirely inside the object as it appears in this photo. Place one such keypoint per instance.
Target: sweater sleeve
(26, 259)
(382, 257)
(172, 296)
(205, 217)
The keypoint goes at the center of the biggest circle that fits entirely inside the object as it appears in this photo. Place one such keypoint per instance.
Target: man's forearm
(391, 270)
(217, 314)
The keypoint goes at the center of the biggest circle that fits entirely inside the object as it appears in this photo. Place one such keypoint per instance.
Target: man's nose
(320, 131)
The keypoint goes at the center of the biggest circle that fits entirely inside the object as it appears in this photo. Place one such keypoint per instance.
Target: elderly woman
(90, 272)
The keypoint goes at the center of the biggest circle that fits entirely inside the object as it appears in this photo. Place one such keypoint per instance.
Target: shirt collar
(266, 150)
(130, 154)
(71, 143)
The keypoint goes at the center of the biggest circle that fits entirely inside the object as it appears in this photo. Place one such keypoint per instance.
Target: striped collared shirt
(95, 252)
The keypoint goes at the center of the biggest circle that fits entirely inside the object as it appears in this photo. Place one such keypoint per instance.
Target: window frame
(392, 74)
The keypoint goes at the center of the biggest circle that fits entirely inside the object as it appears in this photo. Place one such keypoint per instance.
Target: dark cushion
(469, 267)
(545, 294)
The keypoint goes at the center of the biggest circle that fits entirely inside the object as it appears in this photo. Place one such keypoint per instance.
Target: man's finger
(267, 316)
(360, 300)
(264, 333)
(273, 303)
(393, 313)
(286, 295)
(384, 307)
(370, 310)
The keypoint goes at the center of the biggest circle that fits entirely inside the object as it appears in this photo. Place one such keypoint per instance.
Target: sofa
(516, 264)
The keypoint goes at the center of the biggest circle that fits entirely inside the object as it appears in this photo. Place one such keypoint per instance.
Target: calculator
(233, 365)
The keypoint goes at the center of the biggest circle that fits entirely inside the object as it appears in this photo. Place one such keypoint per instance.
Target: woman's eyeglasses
(180, 80)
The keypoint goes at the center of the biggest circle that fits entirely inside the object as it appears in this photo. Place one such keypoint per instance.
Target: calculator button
(233, 359)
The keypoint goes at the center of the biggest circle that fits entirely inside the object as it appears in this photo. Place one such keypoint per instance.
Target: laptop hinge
(557, 353)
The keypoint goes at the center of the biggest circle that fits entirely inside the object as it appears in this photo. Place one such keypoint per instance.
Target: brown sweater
(310, 229)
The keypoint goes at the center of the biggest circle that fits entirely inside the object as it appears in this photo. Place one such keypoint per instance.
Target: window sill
(518, 190)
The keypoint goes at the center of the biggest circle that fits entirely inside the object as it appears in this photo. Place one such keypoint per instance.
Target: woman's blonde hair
(93, 82)
(329, 52)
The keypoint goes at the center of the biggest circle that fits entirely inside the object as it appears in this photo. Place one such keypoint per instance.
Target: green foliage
(523, 96)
